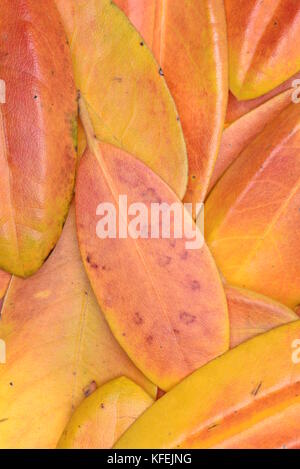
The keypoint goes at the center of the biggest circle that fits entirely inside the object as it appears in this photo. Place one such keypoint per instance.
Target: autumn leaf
(251, 314)
(263, 43)
(126, 95)
(37, 133)
(240, 133)
(188, 39)
(247, 398)
(236, 108)
(252, 214)
(58, 347)
(104, 416)
(165, 304)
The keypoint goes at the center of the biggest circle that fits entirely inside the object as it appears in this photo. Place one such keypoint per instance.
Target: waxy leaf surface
(127, 97)
(236, 108)
(251, 314)
(240, 133)
(102, 418)
(38, 116)
(188, 39)
(58, 348)
(247, 398)
(164, 302)
(252, 215)
(263, 43)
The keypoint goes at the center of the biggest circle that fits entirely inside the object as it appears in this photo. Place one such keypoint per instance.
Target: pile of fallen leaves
(139, 342)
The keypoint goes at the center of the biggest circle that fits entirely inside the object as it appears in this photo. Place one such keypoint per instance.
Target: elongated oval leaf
(126, 94)
(264, 44)
(251, 314)
(103, 417)
(252, 214)
(164, 303)
(38, 115)
(248, 398)
(240, 133)
(58, 346)
(188, 39)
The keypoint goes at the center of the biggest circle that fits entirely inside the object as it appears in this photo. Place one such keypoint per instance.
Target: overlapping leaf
(248, 398)
(252, 214)
(58, 348)
(37, 133)
(104, 416)
(188, 39)
(264, 44)
(164, 303)
(127, 97)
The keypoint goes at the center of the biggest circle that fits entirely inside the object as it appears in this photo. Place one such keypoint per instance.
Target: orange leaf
(251, 314)
(38, 120)
(126, 95)
(236, 108)
(252, 214)
(264, 44)
(241, 132)
(164, 303)
(58, 347)
(189, 42)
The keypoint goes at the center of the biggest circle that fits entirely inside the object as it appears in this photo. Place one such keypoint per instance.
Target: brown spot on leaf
(195, 285)
(90, 388)
(256, 390)
(187, 318)
(137, 318)
(163, 261)
(149, 339)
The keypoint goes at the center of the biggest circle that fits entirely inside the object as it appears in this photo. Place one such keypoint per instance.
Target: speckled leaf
(164, 303)
(38, 115)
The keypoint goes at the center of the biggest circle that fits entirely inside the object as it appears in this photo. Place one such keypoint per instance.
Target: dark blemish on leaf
(178, 118)
(184, 255)
(161, 72)
(195, 285)
(164, 261)
(11, 383)
(35, 97)
(94, 265)
(137, 318)
(118, 79)
(187, 318)
(90, 388)
(103, 267)
(176, 331)
(124, 334)
(141, 43)
(102, 405)
(256, 390)
(193, 177)
(149, 339)
(88, 259)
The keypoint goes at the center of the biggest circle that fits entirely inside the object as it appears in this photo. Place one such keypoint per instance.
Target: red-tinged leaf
(252, 214)
(188, 39)
(240, 133)
(236, 108)
(38, 120)
(263, 43)
(164, 303)
(251, 314)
